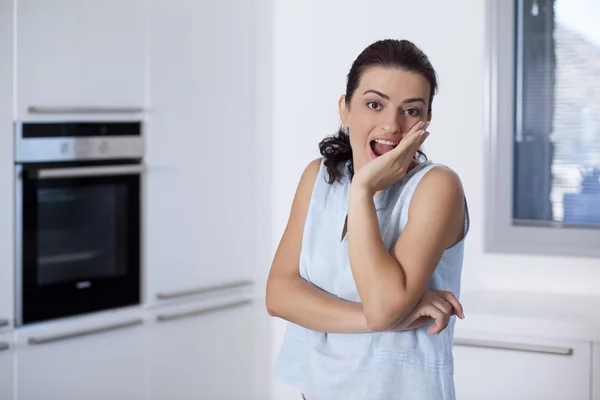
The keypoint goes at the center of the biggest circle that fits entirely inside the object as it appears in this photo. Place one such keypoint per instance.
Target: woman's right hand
(435, 305)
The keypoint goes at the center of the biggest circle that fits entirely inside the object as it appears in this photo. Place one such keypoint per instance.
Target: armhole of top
(410, 189)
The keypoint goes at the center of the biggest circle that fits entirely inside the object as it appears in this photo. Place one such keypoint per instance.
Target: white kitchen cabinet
(500, 367)
(101, 358)
(6, 165)
(6, 367)
(203, 351)
(80, 54)
(200, 192)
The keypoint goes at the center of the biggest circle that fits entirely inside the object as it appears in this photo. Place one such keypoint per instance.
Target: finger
(450, 298)
(431, 311)
(443, 305)
(413, 140)
(419, 126)
(440, 324)
(441, 318)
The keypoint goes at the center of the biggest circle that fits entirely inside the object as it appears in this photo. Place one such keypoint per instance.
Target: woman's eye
(413, 112)
(373, 105)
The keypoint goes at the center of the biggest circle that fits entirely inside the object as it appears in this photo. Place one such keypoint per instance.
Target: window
(543, 110)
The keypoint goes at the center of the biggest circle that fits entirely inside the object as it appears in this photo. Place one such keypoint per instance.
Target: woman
(372, 253)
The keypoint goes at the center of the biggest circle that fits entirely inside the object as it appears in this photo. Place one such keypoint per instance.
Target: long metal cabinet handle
(201, 311)
(83, 110)
(202, 290)
(86, 332)
(4, 323)
(4, 346)
(532, 348)
(82, 172)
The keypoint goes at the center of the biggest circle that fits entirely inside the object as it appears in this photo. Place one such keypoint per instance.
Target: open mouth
(379, 147)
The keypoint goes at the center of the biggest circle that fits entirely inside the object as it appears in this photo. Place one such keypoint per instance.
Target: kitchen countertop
(540, 315)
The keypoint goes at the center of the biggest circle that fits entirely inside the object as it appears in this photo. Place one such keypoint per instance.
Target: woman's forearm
(297, 300)
(310, 307)
(379, 279)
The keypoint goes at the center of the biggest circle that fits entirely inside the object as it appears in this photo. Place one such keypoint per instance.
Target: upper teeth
(385, 142)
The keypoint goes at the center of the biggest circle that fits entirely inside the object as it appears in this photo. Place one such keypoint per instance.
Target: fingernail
(423, 124)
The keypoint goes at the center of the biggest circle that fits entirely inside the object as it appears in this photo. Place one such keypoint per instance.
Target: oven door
(78, 239)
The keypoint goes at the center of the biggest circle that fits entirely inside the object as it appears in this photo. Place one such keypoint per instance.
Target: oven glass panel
(82, 233)
(80, 244)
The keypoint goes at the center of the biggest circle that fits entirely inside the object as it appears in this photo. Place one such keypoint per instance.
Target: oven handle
(84, 172)
(83, 110)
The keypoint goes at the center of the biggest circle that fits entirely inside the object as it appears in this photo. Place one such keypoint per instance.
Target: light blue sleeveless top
(408, 365)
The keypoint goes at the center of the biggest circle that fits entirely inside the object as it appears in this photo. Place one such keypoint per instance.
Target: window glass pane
(557, 126)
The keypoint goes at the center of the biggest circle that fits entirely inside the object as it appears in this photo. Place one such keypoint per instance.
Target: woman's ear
(343, 110)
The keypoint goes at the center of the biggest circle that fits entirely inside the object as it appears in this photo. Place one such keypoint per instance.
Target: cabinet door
(6, 367)
(6, 164)
(200, 145)
(73, 53)
(521, 368)
(97, 360)
(203, 351)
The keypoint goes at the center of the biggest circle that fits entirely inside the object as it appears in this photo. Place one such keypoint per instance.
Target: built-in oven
(78, 218)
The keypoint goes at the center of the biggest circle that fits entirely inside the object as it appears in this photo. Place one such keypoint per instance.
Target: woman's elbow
(383, 318)
(273, 298)
(378, 322)
(271, 306)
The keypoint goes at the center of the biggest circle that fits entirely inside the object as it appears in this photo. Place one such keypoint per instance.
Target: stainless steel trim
(202, 290)
(4, 323)
(83, 110)
(18, 245)
(85, 332)
(81, 172)
(4, 346)
(532, 348)
(76, 148)
(201, 311)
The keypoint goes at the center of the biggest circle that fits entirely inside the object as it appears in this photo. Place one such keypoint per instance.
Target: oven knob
(103, 147)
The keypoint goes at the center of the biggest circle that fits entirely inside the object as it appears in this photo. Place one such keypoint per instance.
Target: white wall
(314, 45)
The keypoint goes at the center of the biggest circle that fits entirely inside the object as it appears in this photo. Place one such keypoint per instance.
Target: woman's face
(386, 105)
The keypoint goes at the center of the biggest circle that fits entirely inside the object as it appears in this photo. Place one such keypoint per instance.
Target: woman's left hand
(389, 168)
(435, 305)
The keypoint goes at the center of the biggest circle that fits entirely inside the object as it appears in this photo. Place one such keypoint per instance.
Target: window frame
(501, 233)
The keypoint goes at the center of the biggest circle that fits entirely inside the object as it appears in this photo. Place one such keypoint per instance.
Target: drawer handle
(83, 110)
(202, 290)
(86, 332)
(4, 323)
(4, 346)
(201, 311)
(532, 348)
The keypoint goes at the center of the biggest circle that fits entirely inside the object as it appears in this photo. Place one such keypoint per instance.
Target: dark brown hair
(390, 53)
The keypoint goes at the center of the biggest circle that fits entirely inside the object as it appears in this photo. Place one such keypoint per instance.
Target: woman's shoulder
(429, 185)
(441, 178)
(430, 175)
(311, 171)
(309, 178)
